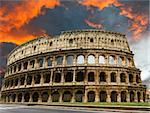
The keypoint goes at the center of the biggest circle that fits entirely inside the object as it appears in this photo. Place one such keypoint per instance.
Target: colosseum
(76, 66)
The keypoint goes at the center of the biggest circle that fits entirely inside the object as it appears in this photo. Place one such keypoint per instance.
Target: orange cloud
(92, 24)
(101, 4)
(18, 15)
(138, 21)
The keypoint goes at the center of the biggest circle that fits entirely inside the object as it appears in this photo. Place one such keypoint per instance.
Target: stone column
(107, 77)
(116, 60)
(42, 79)
(6, 98)
(51, 77)
(96, 59)
(119, 96)
(40, 98)
(36, 65)
(28, 65)
(33, 82)
(64, 60)
(46, 62)
(16, 99)
(85, 98)
(135, 96)
(75, 60)
(97, 77)
(61, 96)
(118, 77)
(128, 96)
(134, 78)
(53, 61)
(127, 77)
(107, 59)
(30, 99)
(49, 98)
(62, 77)
(22, 100)
(108, 96)
(86, 77)
(141, 96)
(19, 80)
(74, 76)
(73, 97)
(25, 81)
(97, 99)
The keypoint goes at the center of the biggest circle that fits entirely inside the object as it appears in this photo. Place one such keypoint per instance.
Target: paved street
(10, 108)
(42, 109)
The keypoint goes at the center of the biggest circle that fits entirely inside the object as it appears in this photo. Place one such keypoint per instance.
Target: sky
(23, 20)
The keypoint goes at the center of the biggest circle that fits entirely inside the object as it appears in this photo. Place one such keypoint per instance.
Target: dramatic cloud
(13, 15)
(137, 20)
(23, 20)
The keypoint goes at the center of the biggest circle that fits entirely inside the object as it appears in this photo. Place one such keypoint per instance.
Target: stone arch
(91, 77)
(22, 80)
(59, 60)
(120, 60)
(144, 95)
(37, 78)
(114, 96)
(55, 96)
(57, 77)
(19, 97)
(79, 96)
(13, 97)
(45, 96)
(67, 96)
(35, 97)
(122, 77)
(123, 96)
(9, 98)
(49, 61)
(132, 96)
(103, 96)
(102, 59)
(69, 60)
(111, 60)
(80, 76)
(91, 59)
(46, 77)
(32, 63)
(16, 81)
(91, 96)
(29, 80)
(25, 65)
(137, 79)
(80, 59)
(27, 97)
(69, 77)
(41, 61)
(113, 77)
(130, 78)
(102, 77)
(138, 96)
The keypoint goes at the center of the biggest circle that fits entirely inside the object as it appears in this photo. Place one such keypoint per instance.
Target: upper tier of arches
(78, 39)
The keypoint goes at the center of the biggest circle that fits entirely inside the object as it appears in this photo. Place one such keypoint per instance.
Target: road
(41, 109)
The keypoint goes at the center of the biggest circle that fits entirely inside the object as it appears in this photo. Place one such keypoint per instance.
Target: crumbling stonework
(75, 66)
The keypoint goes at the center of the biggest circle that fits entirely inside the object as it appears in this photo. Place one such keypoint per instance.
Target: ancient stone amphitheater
(75, 66)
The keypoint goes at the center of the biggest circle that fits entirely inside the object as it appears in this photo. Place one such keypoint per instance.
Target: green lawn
(110, 104)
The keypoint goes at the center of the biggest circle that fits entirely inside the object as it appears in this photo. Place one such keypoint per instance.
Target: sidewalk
(142, 109)
(109, 108)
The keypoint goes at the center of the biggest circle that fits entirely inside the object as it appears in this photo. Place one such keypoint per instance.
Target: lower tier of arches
(73, 95)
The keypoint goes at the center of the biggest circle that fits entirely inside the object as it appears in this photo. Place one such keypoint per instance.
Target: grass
(109, 104)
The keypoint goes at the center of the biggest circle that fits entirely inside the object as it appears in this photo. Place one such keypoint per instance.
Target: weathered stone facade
(75, 66)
